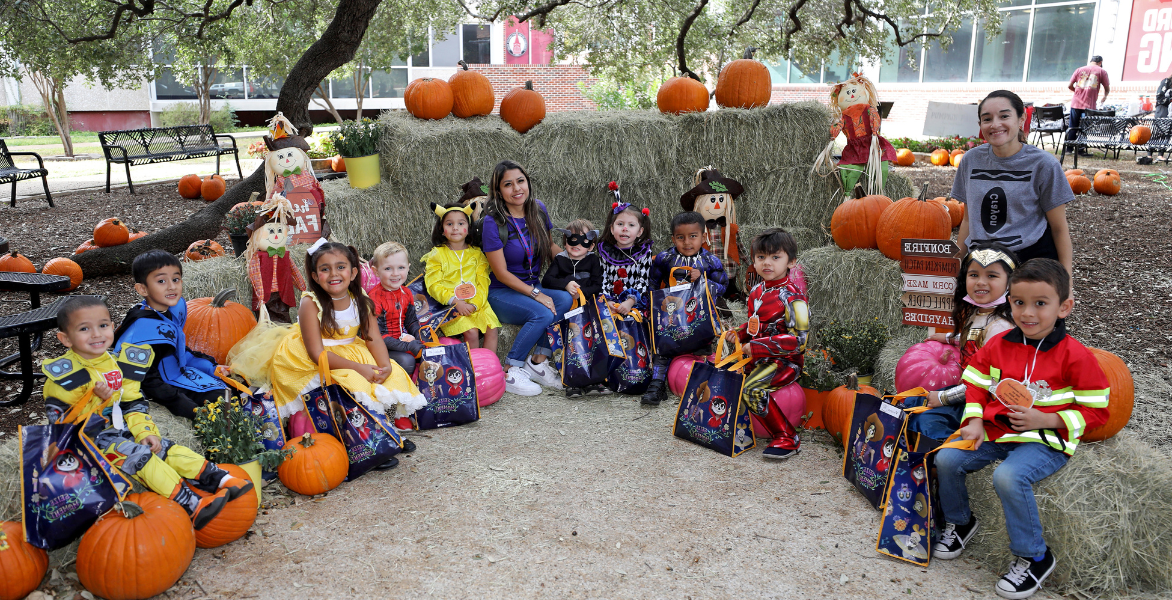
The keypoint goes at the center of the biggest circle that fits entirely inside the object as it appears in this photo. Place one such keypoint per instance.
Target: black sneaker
(655, 393)
(573, 392)
(1143, 160)
(953, 539)
(597, 389)
(390, 464)
(1025, 576)
(780, 453)
(408, 446)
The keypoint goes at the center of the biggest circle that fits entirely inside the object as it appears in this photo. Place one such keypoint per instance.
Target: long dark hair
(963, 311)
(1014, 101)
(538, 229)
(325, 319)
(612, 216)
(437, 233)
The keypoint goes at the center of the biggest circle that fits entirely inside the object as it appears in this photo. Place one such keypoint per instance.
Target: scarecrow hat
(473, 189)
(710, 181)
(282, 134)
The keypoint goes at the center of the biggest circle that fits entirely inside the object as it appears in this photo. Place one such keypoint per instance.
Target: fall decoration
(242, 215)
(680, 95)
(853, 223)
(930, 365)
(428, 98)
(472, 93)
(1107, 182)
(22, 565)
(15, 262)
(214, 325)
(1070, 172)
(135, 234)
(111, 232)
(234, 519)
(1079, 183)
(189, 186)
(939, 157)
(64, 266)
(201, 249)
(137, 550)
(1139, 135)
(338, 164)
(954, 158)
(911, 218)
(318, 464)
(904, 157)
(744, 83)
(86, 245)
(839, 406)
(954, 207)
(1122, 400)
(212, 188)
(522, 108)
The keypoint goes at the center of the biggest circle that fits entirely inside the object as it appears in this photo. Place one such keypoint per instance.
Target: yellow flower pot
(253, 470)
(864, 379)
(363, 171)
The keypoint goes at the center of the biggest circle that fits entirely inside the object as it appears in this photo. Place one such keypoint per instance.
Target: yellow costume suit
(447, 269)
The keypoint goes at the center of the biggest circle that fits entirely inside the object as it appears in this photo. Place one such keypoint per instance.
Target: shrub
(854, 345)
(947, 143)
(609, 95)
(187, 113)
(25, 120)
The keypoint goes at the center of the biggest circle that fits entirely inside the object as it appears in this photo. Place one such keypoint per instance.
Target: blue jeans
(516, 308)
(938, 423)
(1024, 464)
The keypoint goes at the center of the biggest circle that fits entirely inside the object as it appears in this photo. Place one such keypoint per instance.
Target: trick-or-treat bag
(370, 440)
(584, 355)
(66, 481)
(711, 412)
(876, 426)
(262, 407)
(430, 312)
(683, 318)
(448, 382)
(553, 337)
(606, 320)
(631, 374)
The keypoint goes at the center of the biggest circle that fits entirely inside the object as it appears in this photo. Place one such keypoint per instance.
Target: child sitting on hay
(1032, 392)
(456, 274)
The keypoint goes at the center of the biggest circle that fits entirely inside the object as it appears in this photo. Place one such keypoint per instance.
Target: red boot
(785, 442)
(404, 424)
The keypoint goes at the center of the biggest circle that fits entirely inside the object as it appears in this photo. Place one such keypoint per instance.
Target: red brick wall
(557, 83)
(109, 120)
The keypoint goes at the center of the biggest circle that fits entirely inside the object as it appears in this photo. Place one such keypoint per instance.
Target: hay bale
(754, 140)
(636, 145)
(419, 154)
(206, 278)
(852, 284)
(1151, 417)
(10, 500)
(1107, 514)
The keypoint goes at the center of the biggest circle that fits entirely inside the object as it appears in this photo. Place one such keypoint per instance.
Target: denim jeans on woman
(516, 308)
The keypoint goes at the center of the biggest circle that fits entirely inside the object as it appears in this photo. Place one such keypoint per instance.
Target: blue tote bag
(631, 374)
(585, 357)
(711, 412)
(683, 318)
(448, 382)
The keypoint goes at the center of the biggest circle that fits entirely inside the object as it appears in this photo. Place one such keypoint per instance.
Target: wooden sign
(927, 318)
(930, 265)
(917, 247)
(928, 284)
(307, 218)
(927, 301)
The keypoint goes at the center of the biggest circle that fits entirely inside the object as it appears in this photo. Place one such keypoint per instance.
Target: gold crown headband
(441, 211)
(988, 256)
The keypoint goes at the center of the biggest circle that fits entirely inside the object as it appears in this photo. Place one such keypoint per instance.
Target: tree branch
(687, 25)
(899, 41)
(796, 23)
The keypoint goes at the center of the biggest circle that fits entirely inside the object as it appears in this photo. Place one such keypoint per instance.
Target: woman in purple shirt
(516, 239)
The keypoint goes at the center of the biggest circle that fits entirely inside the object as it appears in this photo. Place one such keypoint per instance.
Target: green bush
(187, 113)
(25, 120)
(609, 95)
(854, 345)
(947, 143)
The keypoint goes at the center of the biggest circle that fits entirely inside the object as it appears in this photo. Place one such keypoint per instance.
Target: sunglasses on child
(585, 240)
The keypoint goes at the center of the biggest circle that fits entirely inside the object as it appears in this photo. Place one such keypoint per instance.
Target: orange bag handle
(434, 341)
(232, 382)
(736, 355)
(79, 412)
(323, 368)
(916, 391)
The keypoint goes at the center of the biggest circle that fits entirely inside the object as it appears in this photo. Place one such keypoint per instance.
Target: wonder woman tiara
(988, 256)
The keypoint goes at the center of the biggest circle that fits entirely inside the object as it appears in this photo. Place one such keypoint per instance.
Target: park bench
(1111, 134)
(10, 173)
(164, 144)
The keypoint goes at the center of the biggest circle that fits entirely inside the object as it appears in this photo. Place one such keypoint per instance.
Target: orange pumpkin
(429, 98)
(22, 565)
(744, 83)
(1070, 172)
(234, 519)
(318, 464)
(212, 188)
(1122, 400)
(189, 186)
(954, 158)
(853, 223)
(1139, 135)
(135, 234)
(939, 157)
(680, 95)
(472, 93)
(1079, 184)
(839, 406)
(911, 218)
(138, 550)
(1107, 182)
(338, 164)
(904, 157)
(15, 262)
(954, 207)
(66, 267)
(522, 108)
(111, 232)
(86, 245)
(201, 249)
(214, 325)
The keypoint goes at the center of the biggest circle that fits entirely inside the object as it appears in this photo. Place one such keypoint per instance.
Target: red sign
(306, 218)
(526, 46)
(1149, 41)
(930, 265)
(927, 318)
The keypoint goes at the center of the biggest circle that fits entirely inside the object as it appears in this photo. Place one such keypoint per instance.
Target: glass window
(264, 86)
(778, 72)
(1009, 3)
(1002, 58)
(446, 52)
(477, 44)
(423, 59)
(951, 64)
(168, 88)
(342, 87)
(228, 83)
(1062, 35)
(388, 84)
(799, 73)
(837, 69)
(899, 70)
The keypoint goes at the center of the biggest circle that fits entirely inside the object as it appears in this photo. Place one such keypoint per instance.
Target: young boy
(178, 378)
(394, 305)
(577, 269)
(774, 337)
(1032, 392)
(688, 260)
(121, 425)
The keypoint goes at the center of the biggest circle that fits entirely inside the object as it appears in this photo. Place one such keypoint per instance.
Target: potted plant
(321, 151)
(357, 142)
(238, 218)
(232, 435)
(854, 345)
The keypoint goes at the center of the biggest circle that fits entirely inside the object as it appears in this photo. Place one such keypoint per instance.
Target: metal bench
(10, 173)
(1111, 134)
(164, 144)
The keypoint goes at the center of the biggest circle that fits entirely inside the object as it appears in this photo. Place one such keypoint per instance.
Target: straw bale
(902, 338)
(1107, 515)
(600, 146)
(418, 154)
(852, 284)
(754, 140)
(1151, 418)
(206, 278)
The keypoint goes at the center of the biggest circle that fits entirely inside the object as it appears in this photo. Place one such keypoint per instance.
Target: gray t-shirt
(1006, 199)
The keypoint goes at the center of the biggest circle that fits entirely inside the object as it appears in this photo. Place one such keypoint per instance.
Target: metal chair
(1049, 122)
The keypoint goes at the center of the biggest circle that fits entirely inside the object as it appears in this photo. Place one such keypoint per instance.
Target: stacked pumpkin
(1079, 182)
(202, 249)
(110, 232)
(465, 94)
(209, 188)
(742, 83)
(878, 223)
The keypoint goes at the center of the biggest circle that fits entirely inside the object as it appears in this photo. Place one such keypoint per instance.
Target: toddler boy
(576, 269)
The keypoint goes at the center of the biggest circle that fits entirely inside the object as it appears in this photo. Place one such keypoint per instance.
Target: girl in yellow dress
(348, 334)
(457, 274)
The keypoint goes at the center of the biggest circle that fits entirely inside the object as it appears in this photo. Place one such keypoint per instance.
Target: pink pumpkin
(677, 372)
(490, 377)
(369, 277)
(931, 365)
(299, 425)
(791, 399)
(798, 276)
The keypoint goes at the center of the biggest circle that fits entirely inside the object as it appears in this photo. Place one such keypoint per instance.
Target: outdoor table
(28, 326)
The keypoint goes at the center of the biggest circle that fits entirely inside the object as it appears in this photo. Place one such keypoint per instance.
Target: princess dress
(464, 275)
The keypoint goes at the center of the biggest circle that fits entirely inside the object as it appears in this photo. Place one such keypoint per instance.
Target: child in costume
(774, 337)
(688, 260)
(474, 195)
(120, 425)
(626, 254)
(394, 305)
(713, 197)
(854, 104)
(180, 379)
(457, 275)
(577, 269)
(980, 313)
(335, 316)
(1031, 394)
(275, 279)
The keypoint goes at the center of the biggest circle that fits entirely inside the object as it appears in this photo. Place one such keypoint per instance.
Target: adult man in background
(1085, 83)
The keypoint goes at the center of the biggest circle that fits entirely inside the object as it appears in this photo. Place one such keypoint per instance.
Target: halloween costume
(625, 272)
(178, 378)
(460, 275)
(855, 106)
(395, 313)
(713, 197)
(275, 279)
(704, 261)
(289, 173)
(474, 194)
(586, 271)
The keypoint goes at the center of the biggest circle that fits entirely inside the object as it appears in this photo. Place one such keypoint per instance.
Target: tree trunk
(333, 49)
(361, 81)
(204, 76)
(52, 92)
(65, 130)
(323, 92)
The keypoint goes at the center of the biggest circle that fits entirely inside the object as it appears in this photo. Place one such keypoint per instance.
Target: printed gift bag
(711, 412)
(430, 312)
(553, 337)
(448, 382)
(585, 358)
(272, 436)
(875, 429)
(682, 318)
(632, 374)
(609, 334)
(66, 481)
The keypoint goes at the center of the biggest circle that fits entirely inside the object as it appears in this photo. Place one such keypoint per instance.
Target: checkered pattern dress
(625, 273)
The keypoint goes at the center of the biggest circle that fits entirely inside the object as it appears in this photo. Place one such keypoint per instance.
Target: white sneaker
(517, 382)
(543, 373)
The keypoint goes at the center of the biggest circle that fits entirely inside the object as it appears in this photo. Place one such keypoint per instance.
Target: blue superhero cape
(181, 368)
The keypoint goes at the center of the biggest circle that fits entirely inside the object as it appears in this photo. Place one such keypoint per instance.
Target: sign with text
(928, 284)
(945, 119)
(917, 247)
(929, 281)
(927, 301)
(307, 218)
(1149, 42)
(930, 265)
(927, 318)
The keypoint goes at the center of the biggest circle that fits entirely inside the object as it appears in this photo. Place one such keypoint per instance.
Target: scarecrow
(474, 194)
(713, 197)
(289, 172)
(855, 106)
(271, 271)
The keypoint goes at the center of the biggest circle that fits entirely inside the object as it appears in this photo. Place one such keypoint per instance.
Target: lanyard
(460, 259)
(524, 244)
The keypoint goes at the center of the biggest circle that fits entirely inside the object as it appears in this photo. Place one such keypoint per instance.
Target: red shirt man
(1085, 84)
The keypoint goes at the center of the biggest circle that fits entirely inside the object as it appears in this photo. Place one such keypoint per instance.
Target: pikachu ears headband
(441, 211)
